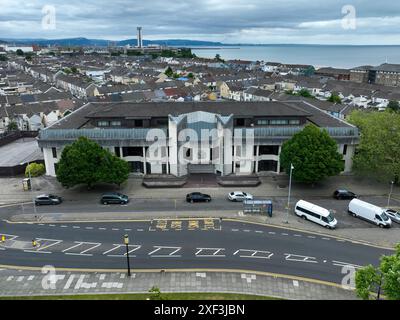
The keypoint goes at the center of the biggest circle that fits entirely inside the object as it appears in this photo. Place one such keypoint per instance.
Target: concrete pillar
(145, 161)
(257, 155)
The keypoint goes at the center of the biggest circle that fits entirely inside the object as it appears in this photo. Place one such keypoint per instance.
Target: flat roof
(20, 151)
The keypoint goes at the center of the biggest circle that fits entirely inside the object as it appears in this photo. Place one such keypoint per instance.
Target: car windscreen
(330, 218)
(384, 216)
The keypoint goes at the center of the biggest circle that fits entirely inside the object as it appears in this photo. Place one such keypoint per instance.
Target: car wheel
(304, 217)
(191, 201)
(105, 202)
(381, 226)
(122, 202)
(208, 200)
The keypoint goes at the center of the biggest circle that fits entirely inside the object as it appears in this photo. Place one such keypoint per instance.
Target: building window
(132, 152)
(294, 122)
(54, 151)
(268, 150)
(262, 122)
(117, 152)
(240, 122)
(115, 123)
(139, 123)
(345, 149)
(278, 122)
(103, 123)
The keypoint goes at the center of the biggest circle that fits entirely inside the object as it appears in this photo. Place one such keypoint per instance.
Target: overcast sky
(233, 21)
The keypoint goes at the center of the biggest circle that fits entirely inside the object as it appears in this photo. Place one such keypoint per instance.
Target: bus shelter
(258, 206)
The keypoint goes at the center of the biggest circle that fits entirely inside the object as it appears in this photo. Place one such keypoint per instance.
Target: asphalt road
(180, 205)
(195, 243)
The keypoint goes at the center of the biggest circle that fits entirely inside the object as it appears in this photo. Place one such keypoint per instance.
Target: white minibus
(314, 213)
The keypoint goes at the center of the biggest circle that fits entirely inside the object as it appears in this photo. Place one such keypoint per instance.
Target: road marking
(235, 230)
(246, 253)
(246, 230)
(119, 246)
(9, 236)
(311, 237)
(127, 229)
(298, 258)
(271, 232)
(140, 230)
(64, 226)
(89, 228)
(258, 231)
(76, 227)
(115, 229)
(345, 264)
(295, 283)
(284, 234)
(325, 239)
(52, 225)
(214, 254)
(171, 254)
(298, 235)
(93, 245)
(102, 229)
(42, 247)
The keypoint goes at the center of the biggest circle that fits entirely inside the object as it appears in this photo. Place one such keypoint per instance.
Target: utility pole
(290, 189)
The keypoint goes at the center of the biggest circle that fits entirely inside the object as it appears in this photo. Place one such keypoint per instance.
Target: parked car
(314, 213)
(343, 194)
(369, 212)
(393, 215)
(198, 197)
(114, 198)
(47, 199)
(239, 196)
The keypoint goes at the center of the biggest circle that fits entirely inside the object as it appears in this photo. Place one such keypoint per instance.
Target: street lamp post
(126, 241)
(30, 180)
(290, 189)
(390, 194)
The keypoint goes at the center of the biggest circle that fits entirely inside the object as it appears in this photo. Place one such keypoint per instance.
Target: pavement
(54, 282)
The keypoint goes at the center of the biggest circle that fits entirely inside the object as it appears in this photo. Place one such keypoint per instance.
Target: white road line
(40, 224)
(172, 254)
(214, 254)
(311, 237)
(9, 236)
(284, 234)
(127, 229)
(271, 232)
(140, 230)
(70, 248)
(258, 231)
(117, 246)
(64, 226)
(253, 254)
(235, 230)
(345, 264)
(76, 227)
(340, 240)
(50, 245)
(102, 229)
(298, 258)
(298, 235)
(89, 228)
(52, 225)
(94, 247)
(37, 251)
(325, 239)
(115, 229)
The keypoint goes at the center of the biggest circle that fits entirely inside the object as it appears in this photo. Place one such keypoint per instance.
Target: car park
(393, 215)
(316, 214)
(369, 212)
(343, 194)
(239, 196)
(198, 197)
(114, 198)
(47, 199)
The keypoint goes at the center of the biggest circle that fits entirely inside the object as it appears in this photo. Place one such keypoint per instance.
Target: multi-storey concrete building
(224, 138)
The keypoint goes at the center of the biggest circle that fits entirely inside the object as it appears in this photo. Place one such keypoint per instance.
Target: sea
(337, 56)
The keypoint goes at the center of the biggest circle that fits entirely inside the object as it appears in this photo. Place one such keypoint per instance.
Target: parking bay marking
(256, 254)
(345, 264)
(46, 245)
(119, 246)
(215, 253)
(171, 254)
(93, 245)
(299, 258)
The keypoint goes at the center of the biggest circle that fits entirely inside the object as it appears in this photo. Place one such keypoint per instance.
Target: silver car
(239, 196)
(393, 215)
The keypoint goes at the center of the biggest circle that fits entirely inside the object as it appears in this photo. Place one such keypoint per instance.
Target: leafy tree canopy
(314, 155)
(86, 162)
(377, 155)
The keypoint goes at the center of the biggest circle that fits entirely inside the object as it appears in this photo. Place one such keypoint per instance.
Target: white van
(314, 213)
(369, 212)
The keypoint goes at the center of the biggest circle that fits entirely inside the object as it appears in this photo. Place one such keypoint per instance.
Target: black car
(47, 199)
(114, 198)
(198, 197)
(343, 194)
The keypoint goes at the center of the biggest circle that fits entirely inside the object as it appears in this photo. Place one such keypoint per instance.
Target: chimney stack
(139, 38)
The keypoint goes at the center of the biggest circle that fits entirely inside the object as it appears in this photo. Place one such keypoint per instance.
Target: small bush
(36, 169)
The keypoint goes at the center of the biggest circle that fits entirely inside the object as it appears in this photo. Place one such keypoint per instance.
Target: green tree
(393, 106)
(3, 57)
(313, 153)
(12, 126)
(86, 162)
(19, 52)
(35, 169)
(176, 75)
(335, 98)
(377, 155)
(74, 70)
(218, 58)
(169, 72)
(387, 275)
(190, 75)
(305, 93)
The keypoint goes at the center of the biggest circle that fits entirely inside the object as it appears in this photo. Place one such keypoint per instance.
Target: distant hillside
(104, 43)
